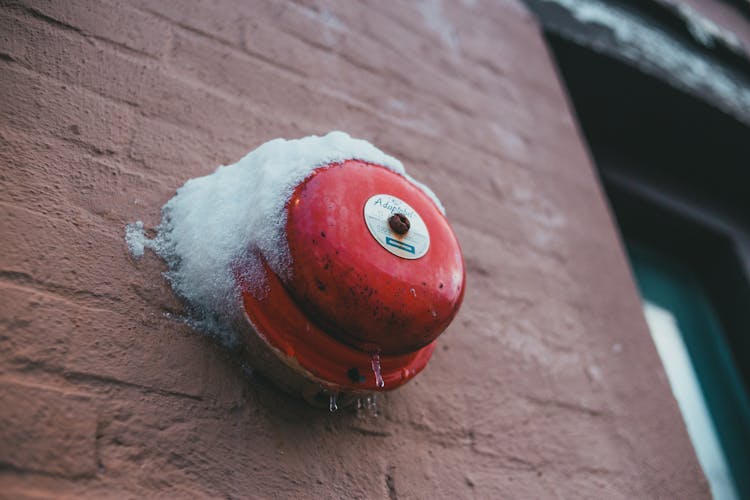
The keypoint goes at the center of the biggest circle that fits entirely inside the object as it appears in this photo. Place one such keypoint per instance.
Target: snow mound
(236, 213)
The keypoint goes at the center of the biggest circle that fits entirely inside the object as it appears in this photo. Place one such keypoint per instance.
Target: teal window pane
(701, 369)
(686, 389)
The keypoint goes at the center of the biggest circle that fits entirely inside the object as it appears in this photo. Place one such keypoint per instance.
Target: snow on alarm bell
(334, 268)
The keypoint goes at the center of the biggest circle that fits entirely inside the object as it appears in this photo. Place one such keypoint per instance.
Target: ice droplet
(375, 362)
(413, 292)
(372, 405)
(361, 408)
(332, 406)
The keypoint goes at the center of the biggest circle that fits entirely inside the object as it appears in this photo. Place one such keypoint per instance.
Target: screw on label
(396, 226)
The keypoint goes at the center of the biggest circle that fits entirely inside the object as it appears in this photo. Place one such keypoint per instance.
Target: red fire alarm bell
(376, 274)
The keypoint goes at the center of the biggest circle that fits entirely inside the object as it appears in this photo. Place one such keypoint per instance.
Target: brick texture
(47, 431)
(547, 384)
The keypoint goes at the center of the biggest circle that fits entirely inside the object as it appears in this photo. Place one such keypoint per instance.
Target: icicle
(332, 406)
(372, 405)
(375, 361)
(361, 409)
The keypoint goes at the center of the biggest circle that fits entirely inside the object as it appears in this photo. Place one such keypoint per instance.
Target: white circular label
(411, 245)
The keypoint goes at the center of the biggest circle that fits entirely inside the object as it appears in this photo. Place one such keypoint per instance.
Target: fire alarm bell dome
(375, 274)
(333, 268)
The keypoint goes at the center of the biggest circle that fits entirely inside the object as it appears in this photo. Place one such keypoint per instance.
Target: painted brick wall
(546, 386)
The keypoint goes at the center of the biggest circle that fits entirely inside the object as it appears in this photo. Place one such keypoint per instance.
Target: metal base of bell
(285, 371)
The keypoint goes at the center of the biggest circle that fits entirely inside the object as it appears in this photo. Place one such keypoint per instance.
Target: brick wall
(547, 384)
